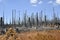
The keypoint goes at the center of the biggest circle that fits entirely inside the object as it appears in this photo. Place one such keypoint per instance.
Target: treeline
(34, 20)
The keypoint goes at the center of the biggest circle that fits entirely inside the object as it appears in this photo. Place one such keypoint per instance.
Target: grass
(33, 35)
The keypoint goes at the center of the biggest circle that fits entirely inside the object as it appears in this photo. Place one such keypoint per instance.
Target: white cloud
(50, 2)
(33, 1)
(40, 2)
(36, 2)
(58, 1)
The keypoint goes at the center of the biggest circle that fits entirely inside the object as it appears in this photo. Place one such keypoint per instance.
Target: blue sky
(30, 6)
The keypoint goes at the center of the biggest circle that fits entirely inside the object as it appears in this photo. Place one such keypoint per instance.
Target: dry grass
(33, 35)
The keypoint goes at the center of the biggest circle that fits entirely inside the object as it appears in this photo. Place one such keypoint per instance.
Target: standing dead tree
(25, 18)
(37, 21)
(19, 19)
(32, 19)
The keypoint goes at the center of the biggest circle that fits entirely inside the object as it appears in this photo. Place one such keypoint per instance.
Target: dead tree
(29, 22)
(54, 17)
(19, 19)
(13, 17)
(37, 21)
(41, 16)
(2, 19)
(45, 20)
(32, 19)
(25, 19)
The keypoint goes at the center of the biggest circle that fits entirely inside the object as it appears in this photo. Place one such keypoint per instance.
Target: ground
(32, 35)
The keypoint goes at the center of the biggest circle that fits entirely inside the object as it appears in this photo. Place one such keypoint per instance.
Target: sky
(32, 6)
